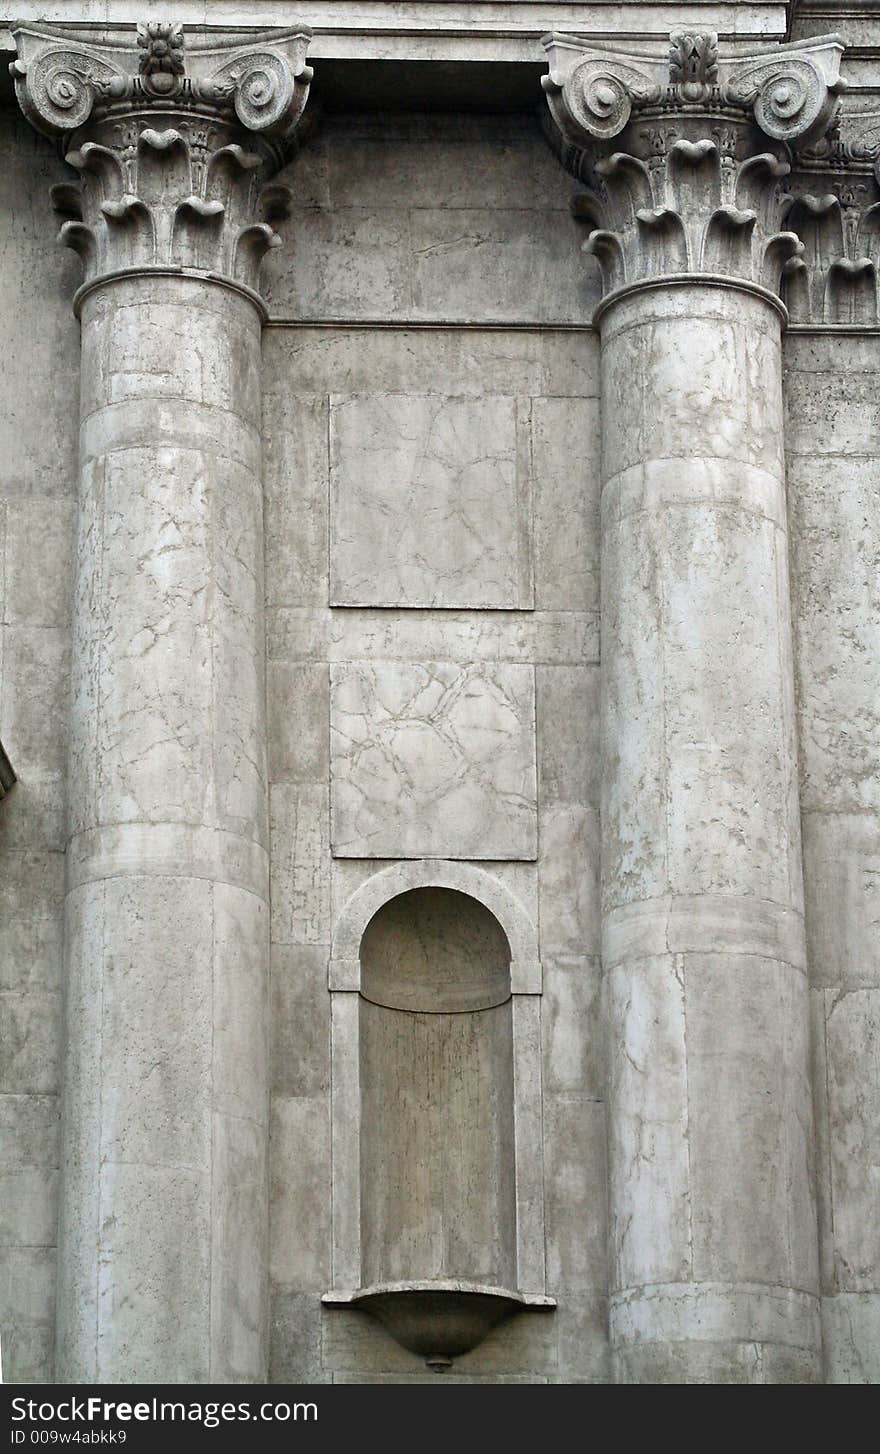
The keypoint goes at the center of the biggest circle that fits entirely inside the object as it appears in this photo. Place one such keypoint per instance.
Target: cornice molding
(175, 148)
(486, 31)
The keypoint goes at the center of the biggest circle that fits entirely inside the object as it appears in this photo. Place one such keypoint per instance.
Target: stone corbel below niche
(723, 164)
(7, 774)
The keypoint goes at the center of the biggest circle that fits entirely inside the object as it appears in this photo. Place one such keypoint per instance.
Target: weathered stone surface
(139, 1264)
(296, 487)
(353, 359)
(577, 1230)
(299, 1210)
(708, 1053)
(27, 1277)
(566, 494)
(432, 760)
(167, 1062)
(409, 219)
(852, 1049)
(554, 638)
(295, 1339)
(300, 818)
(571, 1025)
(851, 1323)
(299, 722)
(749, 1107)
(40, 339)
(430, 365)
(831, 443)
(842, 868)
(430, 502)
(300, 1020)
(437, 1145)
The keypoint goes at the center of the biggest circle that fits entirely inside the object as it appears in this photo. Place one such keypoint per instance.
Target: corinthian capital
(695, 180)
(174, 145)
(835, 209)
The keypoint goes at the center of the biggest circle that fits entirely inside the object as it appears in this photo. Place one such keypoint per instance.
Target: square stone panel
(429, 502)
(432, 760)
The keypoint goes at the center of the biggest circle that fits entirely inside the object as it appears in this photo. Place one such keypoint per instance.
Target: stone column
(162, 1257)
(713, 1223)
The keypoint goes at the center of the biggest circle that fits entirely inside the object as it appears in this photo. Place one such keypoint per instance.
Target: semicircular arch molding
(399, 878)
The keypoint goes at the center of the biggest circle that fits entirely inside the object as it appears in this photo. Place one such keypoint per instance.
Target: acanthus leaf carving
(696, 183)
(174, 147)
(693, 63)
(834, 205)
(841, 235)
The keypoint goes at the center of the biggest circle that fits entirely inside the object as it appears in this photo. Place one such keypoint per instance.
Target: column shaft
(162, 1268)
(714, 1261)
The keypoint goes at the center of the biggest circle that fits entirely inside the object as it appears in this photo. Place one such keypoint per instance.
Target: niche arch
(382, 971)
(477, 883)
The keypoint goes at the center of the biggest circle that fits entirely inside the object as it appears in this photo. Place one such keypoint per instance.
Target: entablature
(428, 30)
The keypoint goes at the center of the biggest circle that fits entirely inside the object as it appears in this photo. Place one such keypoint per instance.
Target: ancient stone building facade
(440, 691)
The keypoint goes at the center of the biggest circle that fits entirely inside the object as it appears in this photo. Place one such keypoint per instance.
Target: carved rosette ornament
(175, 146)
(686, 159)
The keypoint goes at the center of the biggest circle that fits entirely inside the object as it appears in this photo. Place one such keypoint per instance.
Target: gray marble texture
(432, 759)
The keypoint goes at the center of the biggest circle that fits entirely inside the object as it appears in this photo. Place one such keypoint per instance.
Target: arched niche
(478, 883)
(438, 1187)
(438, 1194)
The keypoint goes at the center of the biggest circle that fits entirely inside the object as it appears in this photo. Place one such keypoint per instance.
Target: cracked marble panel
(432, 759)
(429, 502)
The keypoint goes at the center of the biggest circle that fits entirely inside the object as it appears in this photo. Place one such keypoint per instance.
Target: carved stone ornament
(834, 206)
(693, 63)
(161, 65)
(696, 183)
(174, 145)
(790, 90)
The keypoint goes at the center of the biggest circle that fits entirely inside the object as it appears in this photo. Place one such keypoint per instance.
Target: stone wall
(833, 455)
(39, 390)
(432, 441)
(454, 236)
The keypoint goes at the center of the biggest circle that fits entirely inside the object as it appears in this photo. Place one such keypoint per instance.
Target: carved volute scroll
(175, 145)
(686, 158)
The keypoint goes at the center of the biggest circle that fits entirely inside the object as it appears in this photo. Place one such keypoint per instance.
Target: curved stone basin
(439, 1320)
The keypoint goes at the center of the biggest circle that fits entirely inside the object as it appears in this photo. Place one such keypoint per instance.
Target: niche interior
(437, 1144)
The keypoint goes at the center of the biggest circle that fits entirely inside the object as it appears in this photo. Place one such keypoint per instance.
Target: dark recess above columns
(7, 776)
